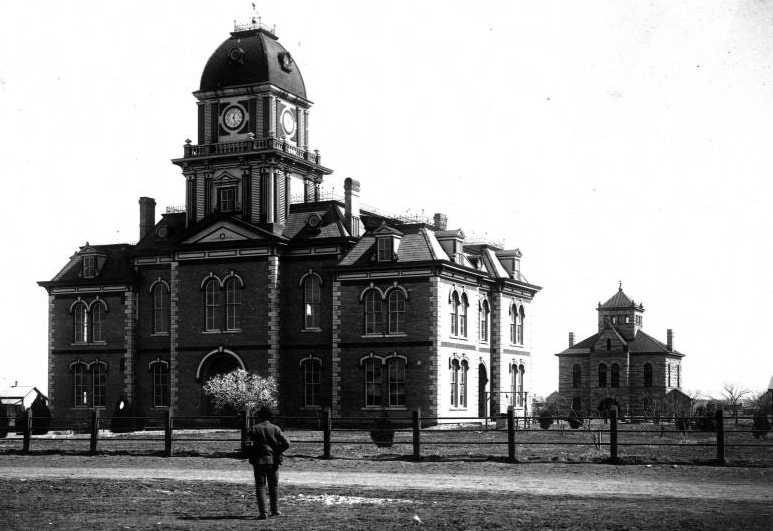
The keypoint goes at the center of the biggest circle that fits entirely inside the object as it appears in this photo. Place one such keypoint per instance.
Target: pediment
(224, 231)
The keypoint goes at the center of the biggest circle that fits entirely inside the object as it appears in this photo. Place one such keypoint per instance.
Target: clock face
(288, 122)
(233, 117)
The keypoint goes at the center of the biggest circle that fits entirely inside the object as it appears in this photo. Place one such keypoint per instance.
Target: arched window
(97, 318)
(80, 384)
(464, 367)
(609, 344)
(521, 319)
(513, 385)
(211, 305)
(233, 301)
(647, 375)
(463, 316)
(80, 320)
(455, 367)
(615, 375)
(311, 304)
(602, 375)
(311, 382)
(159, 373)
(513, 319)
(519, 391)
(98, 384)
(455, 314)
(396, 381)
(373, 314)
(576, 376)
(160, 308)
(484, 317)
(373, 382)
(396, 312)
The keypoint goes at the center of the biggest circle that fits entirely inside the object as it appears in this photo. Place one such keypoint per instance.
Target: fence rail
(520, 437)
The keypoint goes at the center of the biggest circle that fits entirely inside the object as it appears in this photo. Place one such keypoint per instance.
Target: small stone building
(346, 306)
(619, 365)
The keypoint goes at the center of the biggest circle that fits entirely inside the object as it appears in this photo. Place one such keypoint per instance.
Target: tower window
(615, 375)
(226, 199)
(160, 308)
(602, 375)
(311, 302)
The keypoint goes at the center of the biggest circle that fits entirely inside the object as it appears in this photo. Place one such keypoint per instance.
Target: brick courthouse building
(619, 365)
(346, 308)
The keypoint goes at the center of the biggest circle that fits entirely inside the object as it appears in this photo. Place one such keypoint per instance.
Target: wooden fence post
(417, 434)
(94, 431)
(244, 427)
(613, 435)
(510, 434)
(720, 437)
(27, 430)
(326, 429)
(168, 433)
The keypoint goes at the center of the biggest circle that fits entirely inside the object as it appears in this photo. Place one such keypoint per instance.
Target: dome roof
(249, 58)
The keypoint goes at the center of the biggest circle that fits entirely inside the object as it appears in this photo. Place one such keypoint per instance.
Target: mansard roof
(113, 268)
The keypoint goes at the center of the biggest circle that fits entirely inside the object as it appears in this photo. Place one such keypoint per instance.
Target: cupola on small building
(620, 365)
(347, 307)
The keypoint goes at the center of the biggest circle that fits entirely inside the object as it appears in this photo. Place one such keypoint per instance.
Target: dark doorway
(482, 394)
(606, 405)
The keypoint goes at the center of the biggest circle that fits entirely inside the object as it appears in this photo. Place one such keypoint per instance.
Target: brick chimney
(440, 221)
(147, 215)
(571, 339)
(670, 340)
(352, 206)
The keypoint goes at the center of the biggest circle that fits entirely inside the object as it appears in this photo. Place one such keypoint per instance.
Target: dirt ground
(145, 492)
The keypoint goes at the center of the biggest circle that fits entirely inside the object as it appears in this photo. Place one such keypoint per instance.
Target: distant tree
(41, 416)
(241, 390)
(733, 392)
(760, 423)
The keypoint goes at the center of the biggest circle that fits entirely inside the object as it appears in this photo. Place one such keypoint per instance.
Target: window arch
(373, 312)
(521, 320)
(159, 375)
(647, 375)
(88, 320)
(459, 369)
(576, 376)
(397, 307)
(311, 301)
(80, 384)
(615, 381)
(483, 314)
(602, 375)
(233, 301)
(519, 387)
(160, 294)
(211, 305)
(312, 367)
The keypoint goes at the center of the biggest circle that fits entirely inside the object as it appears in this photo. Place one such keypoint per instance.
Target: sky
(610, 141)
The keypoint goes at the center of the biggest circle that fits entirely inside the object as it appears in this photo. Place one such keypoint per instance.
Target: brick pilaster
(335, 399)
(51, 364)
(435, 333)
(497, 375)
(130, 341)
(272, 299)
(174, 323)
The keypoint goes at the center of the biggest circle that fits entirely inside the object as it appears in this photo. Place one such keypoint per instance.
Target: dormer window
(384, 249)
(89, 266)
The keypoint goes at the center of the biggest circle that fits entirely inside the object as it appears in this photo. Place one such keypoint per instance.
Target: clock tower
(253, 134)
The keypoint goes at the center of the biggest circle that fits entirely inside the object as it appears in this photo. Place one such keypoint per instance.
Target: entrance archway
(214, 364)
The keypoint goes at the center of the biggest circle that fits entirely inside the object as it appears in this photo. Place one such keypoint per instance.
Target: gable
(225, 231)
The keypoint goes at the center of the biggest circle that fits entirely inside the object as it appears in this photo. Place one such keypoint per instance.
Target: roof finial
(620, 287)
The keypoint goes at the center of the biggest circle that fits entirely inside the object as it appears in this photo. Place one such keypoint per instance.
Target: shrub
(575, 420)
(241, 391)
(383, 432)
(704, 418)
(760, 425)
(41, 416)
(545, 419)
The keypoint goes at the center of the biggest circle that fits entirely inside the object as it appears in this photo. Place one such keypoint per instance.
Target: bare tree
(733, 393)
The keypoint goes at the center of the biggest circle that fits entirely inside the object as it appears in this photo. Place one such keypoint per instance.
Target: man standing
(268, 445)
